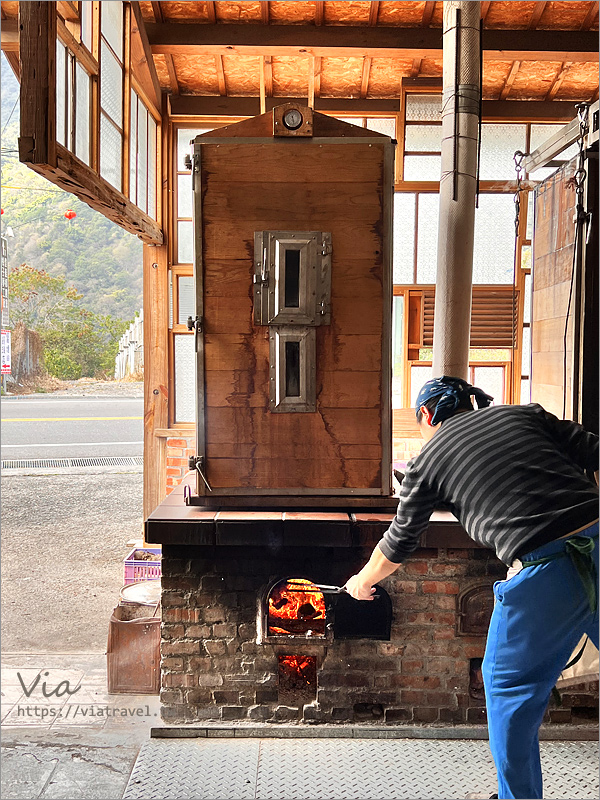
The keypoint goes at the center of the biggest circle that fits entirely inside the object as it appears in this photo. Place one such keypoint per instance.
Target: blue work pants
(539, 616)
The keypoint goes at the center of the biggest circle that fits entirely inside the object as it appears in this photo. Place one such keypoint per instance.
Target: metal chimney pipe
(458, 183)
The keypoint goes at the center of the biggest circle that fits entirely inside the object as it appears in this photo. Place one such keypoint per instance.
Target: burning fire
(296, 607)
(297, 674)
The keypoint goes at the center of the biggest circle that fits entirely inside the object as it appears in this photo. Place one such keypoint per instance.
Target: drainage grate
(66, 463)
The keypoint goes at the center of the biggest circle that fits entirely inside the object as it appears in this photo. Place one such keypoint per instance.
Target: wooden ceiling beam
(141, 58)
(553, 90)
(374, 42)
(364, 82)
(493, 110)
(485, 7)
(319, 13)
(264, 12)
(416, 67)
(538, 9)
(510, 79)
(373, 12)
(427, 14)
(590, 17)
(221, 75)
(211, 12)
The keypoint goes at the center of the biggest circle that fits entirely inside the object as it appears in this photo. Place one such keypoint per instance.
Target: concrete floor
(79, 745)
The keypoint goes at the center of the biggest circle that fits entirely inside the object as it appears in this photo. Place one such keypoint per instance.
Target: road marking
(65, 444)
(63, 419)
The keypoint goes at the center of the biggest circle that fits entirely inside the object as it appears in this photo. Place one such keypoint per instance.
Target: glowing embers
(297, 676)
(295, 607)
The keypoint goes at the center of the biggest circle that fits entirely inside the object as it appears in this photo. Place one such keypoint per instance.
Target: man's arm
(378, 567)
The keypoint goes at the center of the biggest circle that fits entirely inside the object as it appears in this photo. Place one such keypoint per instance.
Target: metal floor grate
(344, 769)
(66, 463)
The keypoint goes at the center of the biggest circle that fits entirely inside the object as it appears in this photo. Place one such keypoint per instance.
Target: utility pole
(458, 185)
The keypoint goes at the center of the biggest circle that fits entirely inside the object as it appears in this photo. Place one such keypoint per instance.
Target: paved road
(35, 427)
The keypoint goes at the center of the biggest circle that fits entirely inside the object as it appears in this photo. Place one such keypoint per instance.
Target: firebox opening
(295, 607)
(297, 677)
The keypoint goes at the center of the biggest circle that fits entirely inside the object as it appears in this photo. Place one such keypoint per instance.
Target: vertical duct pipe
(458, 185)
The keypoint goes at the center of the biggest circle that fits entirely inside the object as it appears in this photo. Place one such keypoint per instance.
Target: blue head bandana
(451, 392)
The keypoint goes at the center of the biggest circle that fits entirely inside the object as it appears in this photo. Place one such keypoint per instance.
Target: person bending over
(519, 481)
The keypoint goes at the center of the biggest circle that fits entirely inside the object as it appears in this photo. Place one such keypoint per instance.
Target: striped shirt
(514, 476)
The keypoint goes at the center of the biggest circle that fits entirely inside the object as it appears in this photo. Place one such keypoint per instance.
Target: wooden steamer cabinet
(293, 281)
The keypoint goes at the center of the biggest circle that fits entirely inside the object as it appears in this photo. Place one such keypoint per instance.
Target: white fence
(130, 358)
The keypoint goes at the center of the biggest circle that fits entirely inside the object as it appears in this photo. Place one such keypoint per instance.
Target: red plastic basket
(136, 570)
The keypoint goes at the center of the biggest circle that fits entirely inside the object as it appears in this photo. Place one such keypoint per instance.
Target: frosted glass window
(111, 85)
(426, 138)
(527, 299)
(491, 380)
(423, 107)
(422, 168)
(526, 391)
(526, 353)
(185, 378)
(70, 122)
(186, 298)
(142, 175)
(541, 134)
(494, 246)
(170, 300)
(185, 242)
(60, 92)
(184, 195)
(152, 130)
(184, 136)
(404, 237)
(352, 120)
(526, 256)
(110, 152)
(85, 13)
(530, 215)
(543, 173)
(111, 24)
(133, 149)
(427, 237)
(418, 376)
(397, 350)
(82, 113)
(385, 126)
(498, 146)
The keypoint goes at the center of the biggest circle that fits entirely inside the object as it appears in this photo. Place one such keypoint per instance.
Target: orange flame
(307, 605)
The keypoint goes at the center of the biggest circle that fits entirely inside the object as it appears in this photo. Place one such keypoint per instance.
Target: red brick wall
(178, 451)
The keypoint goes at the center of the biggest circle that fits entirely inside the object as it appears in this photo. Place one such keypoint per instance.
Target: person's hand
(358, 589)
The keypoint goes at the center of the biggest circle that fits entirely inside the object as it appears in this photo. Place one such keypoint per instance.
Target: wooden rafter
(556, 84)
(261, 82)
(594, 97)
(173, 82)
(68, 10)
(590, 17)
(375, 42)
(364, 83)
(268, 62)
(416, 67)
(485, 7)
(172, 74)
(427, 14)
(317, 66)
(221, 76)
(264, 13)
(10, 36)
(319, 13)
(211, 12)
(538, 10)
(373, 12)
(510, 79)
(311, 83)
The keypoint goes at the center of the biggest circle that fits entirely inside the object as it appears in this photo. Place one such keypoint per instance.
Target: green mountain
(90, 252)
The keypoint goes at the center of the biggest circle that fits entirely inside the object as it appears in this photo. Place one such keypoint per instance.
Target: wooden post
(37, 26)
(460, 115)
